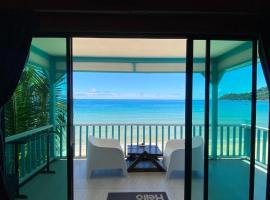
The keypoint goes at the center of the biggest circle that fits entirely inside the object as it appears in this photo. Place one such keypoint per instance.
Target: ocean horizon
(163, 111)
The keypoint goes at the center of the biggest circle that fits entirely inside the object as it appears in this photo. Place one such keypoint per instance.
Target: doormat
(137, 196)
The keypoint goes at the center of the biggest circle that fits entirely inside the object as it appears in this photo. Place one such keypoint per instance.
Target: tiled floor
(226, 180)
(97, 188)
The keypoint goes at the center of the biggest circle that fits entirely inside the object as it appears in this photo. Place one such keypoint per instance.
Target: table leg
(156, 163)
(147, 157)
(133, 165)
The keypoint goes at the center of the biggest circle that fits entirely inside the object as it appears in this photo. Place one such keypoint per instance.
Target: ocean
(163, 111)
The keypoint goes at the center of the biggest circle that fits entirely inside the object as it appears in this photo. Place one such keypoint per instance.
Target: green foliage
(262, 94)
(29, 106)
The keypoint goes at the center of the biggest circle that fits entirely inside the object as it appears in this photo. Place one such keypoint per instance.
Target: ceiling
(126, 47)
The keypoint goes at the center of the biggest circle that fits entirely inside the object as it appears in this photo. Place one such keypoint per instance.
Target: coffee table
(149, 153)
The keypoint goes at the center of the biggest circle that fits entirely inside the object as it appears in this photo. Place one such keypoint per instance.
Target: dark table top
(150, 149)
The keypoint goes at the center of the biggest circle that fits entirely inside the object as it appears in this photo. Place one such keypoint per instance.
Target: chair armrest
(173, 145)
(108, 143)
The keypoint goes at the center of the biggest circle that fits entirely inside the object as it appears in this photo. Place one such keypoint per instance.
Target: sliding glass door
(36, 131)
(236, 138)
(230, 120)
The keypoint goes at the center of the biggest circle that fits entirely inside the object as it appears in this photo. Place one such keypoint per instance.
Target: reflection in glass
(230, 113)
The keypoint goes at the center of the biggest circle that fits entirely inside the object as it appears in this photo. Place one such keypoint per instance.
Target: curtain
(264, 53)
(15, 40)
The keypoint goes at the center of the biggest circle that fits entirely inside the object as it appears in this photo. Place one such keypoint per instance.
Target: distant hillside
(262, 94)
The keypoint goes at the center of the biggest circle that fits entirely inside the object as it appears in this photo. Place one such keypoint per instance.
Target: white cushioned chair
(174, 156)
(105, 154)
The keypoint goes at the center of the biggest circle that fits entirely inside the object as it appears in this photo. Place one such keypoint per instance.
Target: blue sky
(89, 85)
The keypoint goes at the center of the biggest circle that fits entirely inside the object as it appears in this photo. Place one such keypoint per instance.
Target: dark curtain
(264, 52)
(15, 40)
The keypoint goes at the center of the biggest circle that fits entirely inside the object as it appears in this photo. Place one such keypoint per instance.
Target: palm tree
(29, 106)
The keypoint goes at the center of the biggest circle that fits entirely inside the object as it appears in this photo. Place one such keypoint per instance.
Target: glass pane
(230, 107)
(198, 105)
(131, 91)
(35, 119)
(261, 142)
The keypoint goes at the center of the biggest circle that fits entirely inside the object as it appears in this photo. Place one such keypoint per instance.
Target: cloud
(93, 90)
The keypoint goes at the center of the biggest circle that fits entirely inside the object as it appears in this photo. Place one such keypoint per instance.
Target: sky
(90, 85)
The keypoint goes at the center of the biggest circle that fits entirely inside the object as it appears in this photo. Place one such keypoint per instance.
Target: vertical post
(228, 140)
(234, 135)
(221, 141)
(246, 140)
(18, 195)
(162, 138)
(253, 119)
(93, 130)
(131, 134)
(106, 131)
(40, 150)
(156, 135)
(86, 139)
(80, 142)
(181, 132)
(61, 141)
(144, 133)
(264, 147)
(188, 120)
(119, 129)
(125, 140)
(169, 132)
(240, 140)
(206, 118)
(258, 156)
(138, 131)
(174, 131)
(150, 135)
(70, 136)
(29, 154)
(112, 131)
(52, 73)
(23, 163)
(214, 105)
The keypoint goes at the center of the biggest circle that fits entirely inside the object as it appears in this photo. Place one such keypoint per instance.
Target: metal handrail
(27, 133)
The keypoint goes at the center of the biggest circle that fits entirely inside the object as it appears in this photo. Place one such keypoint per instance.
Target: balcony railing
(232, 141)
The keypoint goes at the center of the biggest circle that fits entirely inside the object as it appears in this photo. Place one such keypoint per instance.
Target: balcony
(228, 157)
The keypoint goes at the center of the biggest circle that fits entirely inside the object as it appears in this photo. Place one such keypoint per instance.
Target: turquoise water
(163, 111)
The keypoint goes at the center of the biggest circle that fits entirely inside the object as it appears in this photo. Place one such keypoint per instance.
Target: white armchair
(105, 154)
(174, 155)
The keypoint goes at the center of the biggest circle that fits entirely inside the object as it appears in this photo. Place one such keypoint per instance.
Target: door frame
(189, 85)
